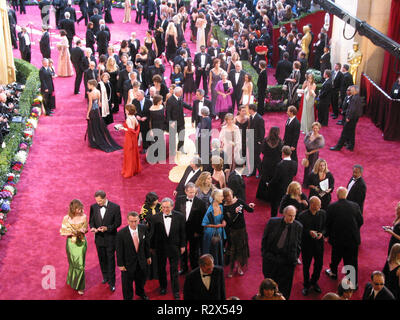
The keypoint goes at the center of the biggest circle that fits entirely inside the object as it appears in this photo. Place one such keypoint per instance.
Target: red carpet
(62, 167)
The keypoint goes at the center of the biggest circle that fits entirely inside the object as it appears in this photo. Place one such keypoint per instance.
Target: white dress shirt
(290, 120)
(206, 280)
(190, 175)
(237, 75)
(167, 224)
(103, 210)
(189, 205)
(201, 104)
(351, 184)
(27, 40)
(202, 60)
(287, 158)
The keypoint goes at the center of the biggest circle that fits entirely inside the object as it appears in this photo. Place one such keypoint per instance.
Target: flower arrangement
(21, 156)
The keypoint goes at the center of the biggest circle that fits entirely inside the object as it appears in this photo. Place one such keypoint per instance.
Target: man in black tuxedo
(206, 282)
(257, 124)
(184, 46)
(68, 25)
(90, 73)
(214, 50)
(262, 84)
(237, 78)
(105, 219)
(343, 223)
(292, 133)
(376, 289)
(283, 69)
(91, 4)
(71, 11)
(357, 189)
(45, 43)
(353, 113)
(134, 45)
(175, 117)
(202, 62)
(324, 99)
(280, 249)
(46, 85)
(143, 105)
(180, 58)
(123, 76)
(151, 13)
(191, 174)
(312, 243)
(78, 61)
(347, 81)
(12, 21)
(193, 209)
(325, 60)
(102, 38)
(345, 106)
(83, 6)
(95, 18)
(337, 78)
(198, 104)
(133, 256)
(304, 66)
(169, 242)
(236, 182)
(284, 173)
(24, 45)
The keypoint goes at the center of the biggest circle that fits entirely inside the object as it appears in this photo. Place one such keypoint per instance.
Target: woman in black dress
(317, 179)
(104, 86)
(189, 86)
(394, 230)
(294, 197)
(272, 150)
(98, 135)
(157, 127)
(160, 38)
(113, 70)
(243, 44)
(171, 36)
(90, 36)
(151, 46)
(238, 245)
(391, 271)
(242, 121)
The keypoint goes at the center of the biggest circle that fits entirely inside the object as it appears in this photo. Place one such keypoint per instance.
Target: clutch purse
(305, 163)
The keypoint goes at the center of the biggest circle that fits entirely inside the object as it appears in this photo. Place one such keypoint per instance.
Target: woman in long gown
(64, 67)
(238, 241)
(231, 140)
(242, 121)
(247, 96)
(127, 11)
(193, 28)
(151, 45)
(113, 70)
(392, 271)
(160, 38)
(214, 78)
(224, 90)
(293, 83)
(189, 86)
(131, 165)
(214, 224)
(201, 24)
(307, 114)
(98, 135)
(171, 38)
(313, 141)
(105, 89)
(157, 127)
(74, 227)
(319, 174)
(272, 155)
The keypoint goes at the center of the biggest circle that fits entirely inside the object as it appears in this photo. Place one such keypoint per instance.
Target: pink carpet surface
(61, 167)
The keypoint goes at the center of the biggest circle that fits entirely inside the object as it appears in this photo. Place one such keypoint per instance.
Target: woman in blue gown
(214, 223)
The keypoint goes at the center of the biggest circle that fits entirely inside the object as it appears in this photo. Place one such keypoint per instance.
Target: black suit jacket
(197, 61)
(102, 38)
(357, 192)
(146, 108)
(271, 237)
(95, 19)
(284, 173)
(325, 62)
(194, 288)
(180, 189)
(236, 183)
(237, 87)
(22, 44)
(325, 93)
(356, 107)
(89, 75)
(126, 253)
(45, 45)
(384, 294)
(69, 26)
(77, 58)
(262, 81)
(174, 111)
(46, 80)
(193, 223)
(112, 220)
(72, 13)
(258, 125)
(134, 50)
(214, 52)
(347, 81)
(195, 111)
(343, 223)
(292, 133)
(337, 81)
(283, 71)
(177, 238)
(90, 38)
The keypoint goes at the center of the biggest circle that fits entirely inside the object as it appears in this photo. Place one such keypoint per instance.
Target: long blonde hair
(111, 65)
(171, 26)
(394, 254)
(201, 181)
(317, 163)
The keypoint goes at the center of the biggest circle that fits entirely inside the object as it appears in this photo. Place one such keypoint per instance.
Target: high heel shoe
(240, 272)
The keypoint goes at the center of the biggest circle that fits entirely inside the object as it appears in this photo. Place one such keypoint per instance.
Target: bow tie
(187, 199)
(168, 216)
(206, 275)
(103, 207)
(237, 72)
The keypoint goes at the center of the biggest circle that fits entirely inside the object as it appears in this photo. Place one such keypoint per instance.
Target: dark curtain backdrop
(388, 73)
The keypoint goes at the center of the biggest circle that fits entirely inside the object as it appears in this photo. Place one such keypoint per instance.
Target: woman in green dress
(74, 227)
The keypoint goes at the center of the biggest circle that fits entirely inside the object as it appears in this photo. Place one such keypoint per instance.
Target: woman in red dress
(131, 164)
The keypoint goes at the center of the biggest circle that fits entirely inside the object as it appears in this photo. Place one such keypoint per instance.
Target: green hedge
(29, 75)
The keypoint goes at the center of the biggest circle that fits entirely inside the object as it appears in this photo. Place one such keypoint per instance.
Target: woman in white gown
(231, 141)
(201, 23)
(307, 115)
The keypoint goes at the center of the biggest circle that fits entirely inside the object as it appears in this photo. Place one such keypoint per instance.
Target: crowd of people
(204, 227)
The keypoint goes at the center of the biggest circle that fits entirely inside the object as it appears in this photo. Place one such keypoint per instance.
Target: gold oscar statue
(306, 40)
(354, 58)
